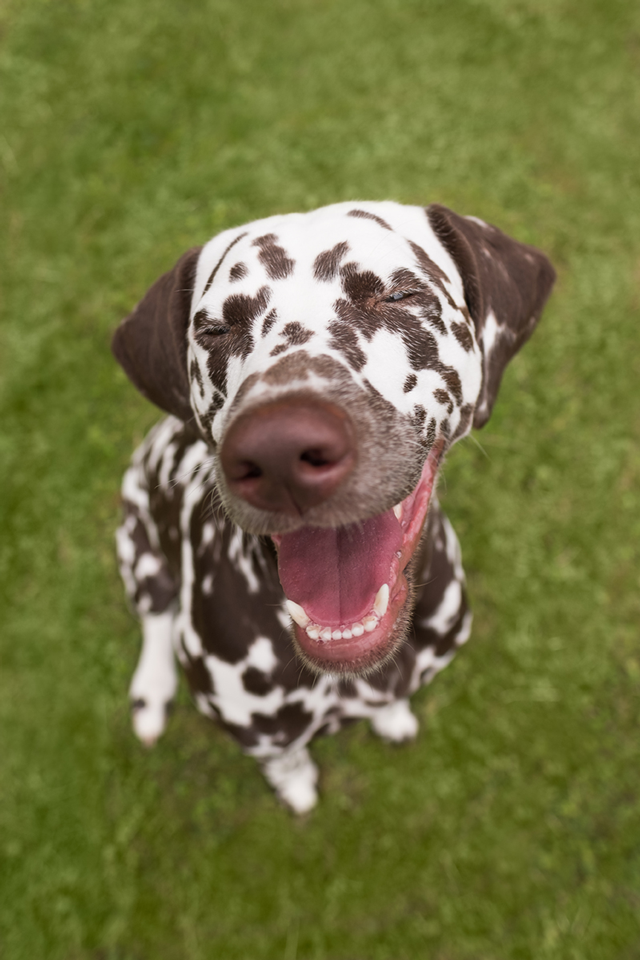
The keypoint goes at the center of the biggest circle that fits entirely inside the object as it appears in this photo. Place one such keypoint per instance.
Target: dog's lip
(372, 646)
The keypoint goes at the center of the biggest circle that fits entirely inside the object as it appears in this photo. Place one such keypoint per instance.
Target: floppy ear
(151, 343)
(506, 285)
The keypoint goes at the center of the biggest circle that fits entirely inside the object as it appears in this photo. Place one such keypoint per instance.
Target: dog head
(330, 359)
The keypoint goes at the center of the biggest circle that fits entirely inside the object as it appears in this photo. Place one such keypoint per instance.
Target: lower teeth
(316, 632)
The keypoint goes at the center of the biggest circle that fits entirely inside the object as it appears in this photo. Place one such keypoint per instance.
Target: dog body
(317, 367)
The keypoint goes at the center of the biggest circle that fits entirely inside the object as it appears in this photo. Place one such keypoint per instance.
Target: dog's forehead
(294, 254)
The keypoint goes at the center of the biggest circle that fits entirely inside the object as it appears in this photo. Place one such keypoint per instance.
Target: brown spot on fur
(326, 264)
(242, 309)
(194, 374)
(364, 215)
(430, 436)
(268, 322)
(466, 413)
(256, 682)
(344, 339)
(296, 334)
(237, 272)
(463, 335)
(410, 383)
(219, 263)
(443, 397)
(419, 416)
(405, 278)
(360, 285)
(273, 258)
(238, 311)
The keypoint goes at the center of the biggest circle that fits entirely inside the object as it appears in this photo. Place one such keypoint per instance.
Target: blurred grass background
(131, 130)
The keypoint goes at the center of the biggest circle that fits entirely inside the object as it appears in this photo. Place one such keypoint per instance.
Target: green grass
(131, 130)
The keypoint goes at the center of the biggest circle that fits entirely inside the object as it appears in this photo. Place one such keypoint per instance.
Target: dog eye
(216, 331)
(399, 296)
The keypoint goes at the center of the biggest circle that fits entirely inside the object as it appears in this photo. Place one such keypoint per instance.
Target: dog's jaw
(360, 647)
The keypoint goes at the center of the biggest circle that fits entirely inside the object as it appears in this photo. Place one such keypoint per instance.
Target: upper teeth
(367, 624)
(382, 600)
(297, 613)
(398, 511)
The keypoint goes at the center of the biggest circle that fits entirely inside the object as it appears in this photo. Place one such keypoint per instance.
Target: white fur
(155, 680)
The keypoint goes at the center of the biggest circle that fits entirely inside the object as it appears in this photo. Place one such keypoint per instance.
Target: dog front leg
(155, 679)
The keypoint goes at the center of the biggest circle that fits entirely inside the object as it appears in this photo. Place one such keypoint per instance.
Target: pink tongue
(335, 573)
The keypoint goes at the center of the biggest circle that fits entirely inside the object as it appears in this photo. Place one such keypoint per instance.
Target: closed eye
(215, 331)
(402, 295)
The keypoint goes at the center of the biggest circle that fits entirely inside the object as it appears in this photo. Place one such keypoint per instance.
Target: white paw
(148, 719)
(395, 722)
(294, 778)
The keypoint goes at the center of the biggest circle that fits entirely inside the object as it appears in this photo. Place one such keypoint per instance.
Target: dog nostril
(315, 458)
(248, 471)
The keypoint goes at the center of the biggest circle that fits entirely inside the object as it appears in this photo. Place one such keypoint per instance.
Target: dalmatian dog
(282, 535)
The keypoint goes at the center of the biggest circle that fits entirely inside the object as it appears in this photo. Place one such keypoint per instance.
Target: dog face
(330, 359)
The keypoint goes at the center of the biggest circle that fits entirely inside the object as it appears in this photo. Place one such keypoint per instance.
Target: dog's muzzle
(288, 456)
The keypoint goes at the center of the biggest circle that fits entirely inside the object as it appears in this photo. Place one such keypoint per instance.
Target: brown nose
(288, 456)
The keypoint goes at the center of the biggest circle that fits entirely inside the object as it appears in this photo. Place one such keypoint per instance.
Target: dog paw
(149, 719)
(395, 722)
(294, 779)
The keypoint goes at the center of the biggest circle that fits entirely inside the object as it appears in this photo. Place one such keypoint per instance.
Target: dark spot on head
(452, 380)
(360, 285)
(430, 435)
(344, 340)
(269, 321)
(443, 397)
(296, 334)
(237, 272)
(466, 412)
(326, 264)
(418, 416)
(238, 311)
(364, 215)
(463, 335)
(242, 309)
(405, 278)
(410, 383)
(273, 258)
(297, 366)
(194, 374)
(434, 273)
(219, 263)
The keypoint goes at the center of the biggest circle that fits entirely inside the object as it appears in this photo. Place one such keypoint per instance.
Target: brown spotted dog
(281, 531)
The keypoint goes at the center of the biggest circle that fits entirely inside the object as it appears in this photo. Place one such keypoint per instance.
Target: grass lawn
(131, 130)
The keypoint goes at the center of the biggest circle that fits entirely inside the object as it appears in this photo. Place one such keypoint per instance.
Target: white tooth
(296, 612)
(370, 623)
(325, 633)
(357, 629)
(336, 635)
(346, 634)
(398, 511)
(313, 631)
(382, 600)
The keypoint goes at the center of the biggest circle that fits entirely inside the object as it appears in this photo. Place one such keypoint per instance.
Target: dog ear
(506, 285)
(151, 343)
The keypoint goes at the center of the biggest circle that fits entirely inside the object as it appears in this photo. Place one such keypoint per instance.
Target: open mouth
(346, 587)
